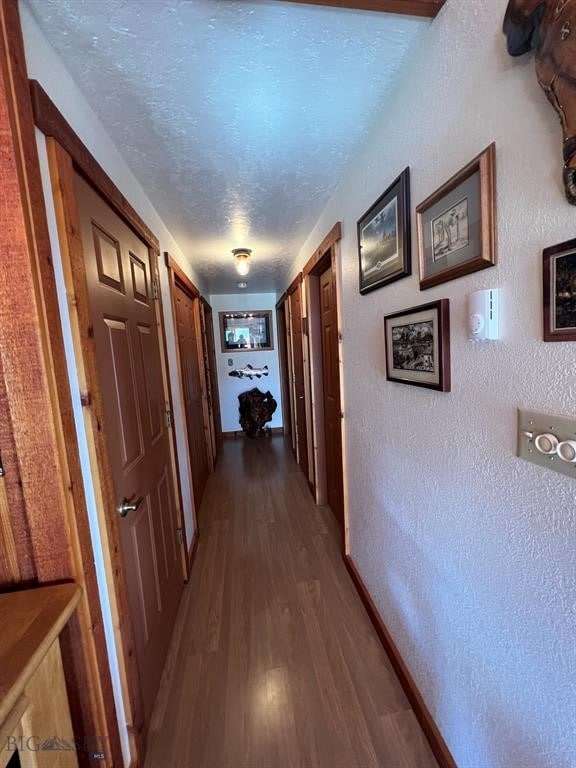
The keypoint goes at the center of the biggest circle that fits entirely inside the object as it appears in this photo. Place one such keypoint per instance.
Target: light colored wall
(45, 66)
(468, 551)
(230, 387)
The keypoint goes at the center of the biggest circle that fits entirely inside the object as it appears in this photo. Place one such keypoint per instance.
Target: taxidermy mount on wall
(549, 28)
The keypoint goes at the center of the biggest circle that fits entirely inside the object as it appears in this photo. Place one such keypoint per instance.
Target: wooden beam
(426, 8)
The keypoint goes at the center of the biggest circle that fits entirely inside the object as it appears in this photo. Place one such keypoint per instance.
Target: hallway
(274, 662)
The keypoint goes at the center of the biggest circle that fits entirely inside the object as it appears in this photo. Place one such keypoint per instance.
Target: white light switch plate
(531, 424)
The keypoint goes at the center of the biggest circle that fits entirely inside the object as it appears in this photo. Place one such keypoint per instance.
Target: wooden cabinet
(34, 713)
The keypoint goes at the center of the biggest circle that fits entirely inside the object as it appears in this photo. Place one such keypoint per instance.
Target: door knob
(126, 506)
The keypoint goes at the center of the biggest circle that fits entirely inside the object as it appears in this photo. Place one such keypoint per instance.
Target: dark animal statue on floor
(256, 410)
(549, 28)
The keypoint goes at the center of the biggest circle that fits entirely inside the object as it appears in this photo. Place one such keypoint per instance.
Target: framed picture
(418, 346)
(384, 237)
(249, 331)
(457, 224)
(559, 264)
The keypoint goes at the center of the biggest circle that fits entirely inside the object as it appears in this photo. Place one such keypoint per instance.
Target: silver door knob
(126, 506)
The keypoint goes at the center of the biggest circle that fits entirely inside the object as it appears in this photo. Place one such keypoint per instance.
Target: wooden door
(331, 383)
(190, 347)
(299, 386)
(212, 376)
(290, 357)
(284, 368)
(121, 274)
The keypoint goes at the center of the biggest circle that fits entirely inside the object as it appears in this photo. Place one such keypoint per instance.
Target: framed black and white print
(384, 251)
(559, 263)
(457, 223)
(418, 346)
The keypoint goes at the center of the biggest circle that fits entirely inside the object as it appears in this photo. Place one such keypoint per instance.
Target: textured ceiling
(237, 118)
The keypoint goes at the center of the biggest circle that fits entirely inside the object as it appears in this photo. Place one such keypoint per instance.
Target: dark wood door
(190, 344)
(331, 379)
(299, 387)
(284, 368)
(121, 273)
(212, 376)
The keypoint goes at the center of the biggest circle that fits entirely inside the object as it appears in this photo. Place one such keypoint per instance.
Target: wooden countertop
(30, 621)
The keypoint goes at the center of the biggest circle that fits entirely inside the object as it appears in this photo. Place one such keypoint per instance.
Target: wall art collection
(456, 236)
(456, 224)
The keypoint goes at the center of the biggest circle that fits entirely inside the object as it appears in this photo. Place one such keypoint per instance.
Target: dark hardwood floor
(274, 662)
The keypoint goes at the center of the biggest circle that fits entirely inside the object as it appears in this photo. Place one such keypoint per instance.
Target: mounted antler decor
(549, 28)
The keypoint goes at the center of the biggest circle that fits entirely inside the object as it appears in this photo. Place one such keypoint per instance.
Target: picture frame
(456, 224)
(384, 237)
(559, 296)
(417, 344)
(246, 331)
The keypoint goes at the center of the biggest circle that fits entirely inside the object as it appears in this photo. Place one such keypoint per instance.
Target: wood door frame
(281, 331)
(292, 288)
(324, 257)
(177, 278)
(210, 350)
(44, 517)
(66, 155)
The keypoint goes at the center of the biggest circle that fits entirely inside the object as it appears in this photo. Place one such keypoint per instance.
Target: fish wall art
(249, 372)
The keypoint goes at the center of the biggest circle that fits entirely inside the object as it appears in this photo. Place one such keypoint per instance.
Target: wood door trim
(178, 279)
(323, 258)
(172, 437)
(294, 284)
(69, 229)
(43, 462)
(53, 124)
(214, 389)
(281, 300)
(185, 283)
(203, 384)
(333, 237)
(429, 727)
(426, 8)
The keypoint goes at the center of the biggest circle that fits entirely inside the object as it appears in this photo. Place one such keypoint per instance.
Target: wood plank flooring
(274, 662)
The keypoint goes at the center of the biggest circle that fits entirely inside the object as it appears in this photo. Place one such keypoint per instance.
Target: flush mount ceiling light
(242, 284)
(242, 260)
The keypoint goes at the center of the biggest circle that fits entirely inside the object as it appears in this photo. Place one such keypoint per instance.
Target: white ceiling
(238, 118)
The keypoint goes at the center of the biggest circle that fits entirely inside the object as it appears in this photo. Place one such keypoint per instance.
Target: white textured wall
(229, 386)
(469, 552)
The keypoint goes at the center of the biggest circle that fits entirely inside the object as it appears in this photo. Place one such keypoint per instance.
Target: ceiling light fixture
(242, 260)
(242, 284)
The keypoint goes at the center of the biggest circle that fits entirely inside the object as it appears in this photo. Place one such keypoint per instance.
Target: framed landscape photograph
(384, 251)
(457, 224)
(559, 264)
(418, 346)
(249, 331)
